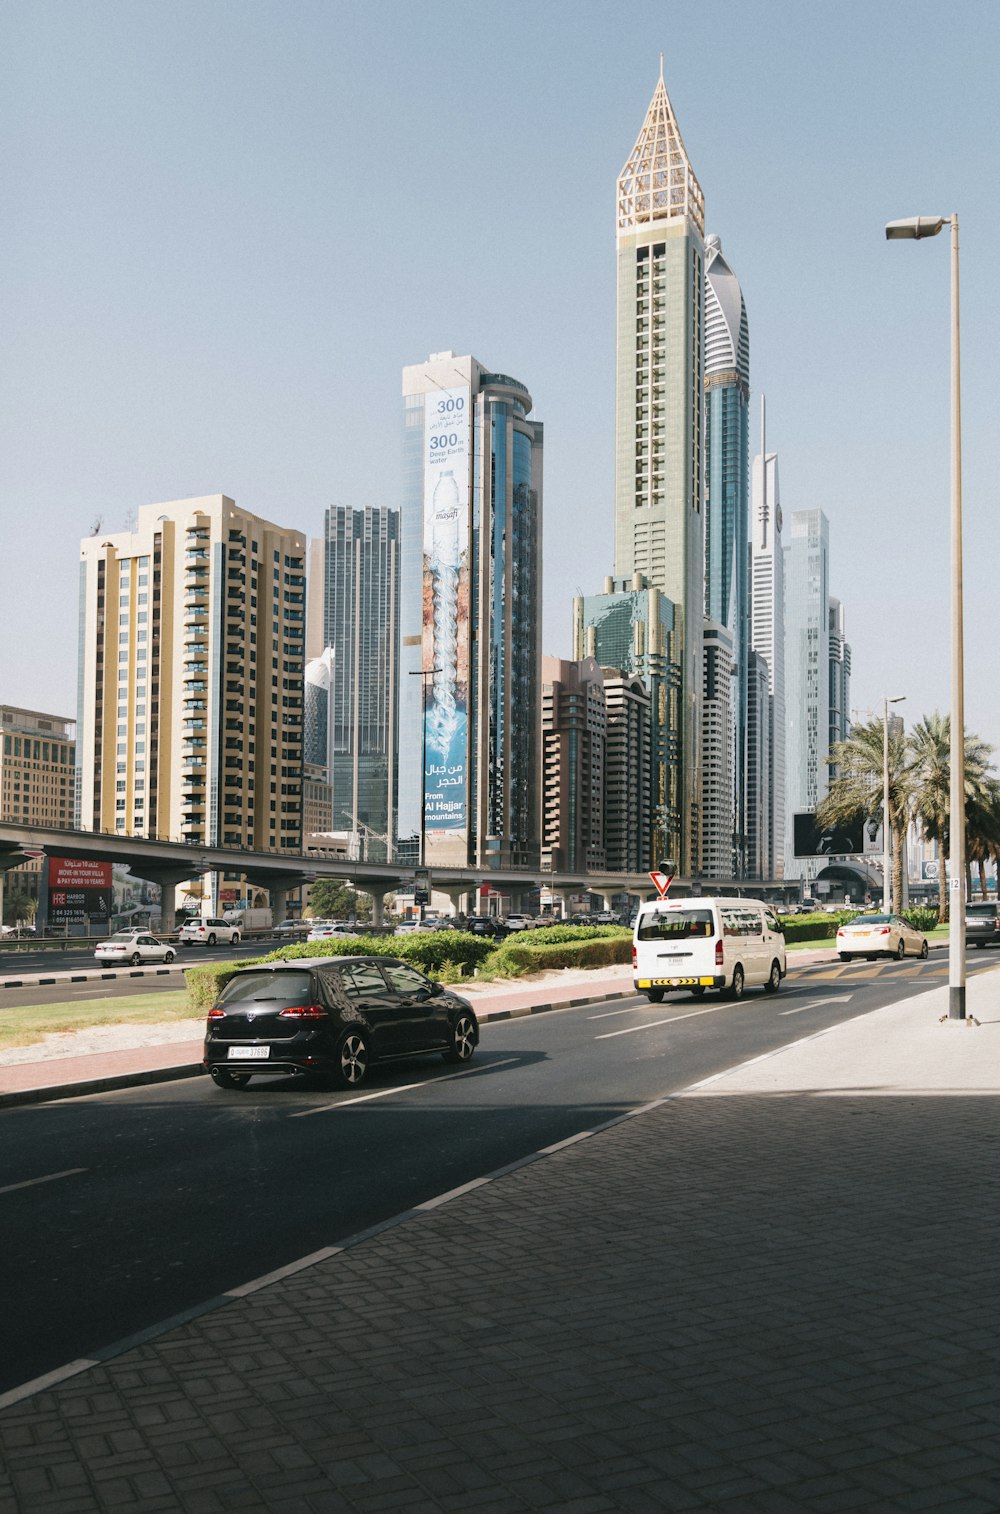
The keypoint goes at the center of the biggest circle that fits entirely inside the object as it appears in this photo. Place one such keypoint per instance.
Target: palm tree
(982, 832)
(930, 771)
(855, 794)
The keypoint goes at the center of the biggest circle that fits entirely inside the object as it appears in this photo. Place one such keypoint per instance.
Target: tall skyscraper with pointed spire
(727, 505)
(659, 530)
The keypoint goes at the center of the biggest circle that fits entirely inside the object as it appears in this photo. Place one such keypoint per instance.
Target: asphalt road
(65, 992)
(122, 1209)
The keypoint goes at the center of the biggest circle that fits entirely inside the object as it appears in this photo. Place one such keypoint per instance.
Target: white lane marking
(384, 1093)
(608, 1013)
(49, 1178)
(815, 1003)
(692, 1015)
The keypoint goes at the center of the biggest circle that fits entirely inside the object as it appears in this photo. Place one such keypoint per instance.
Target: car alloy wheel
(135, 959)
(923, 951)
(236, 938)
(900, 950)
(352, 1060)
(463, 1039)
(223, 1079)
(736, 987)
(210, 941)
(168, 956)
(774, 978)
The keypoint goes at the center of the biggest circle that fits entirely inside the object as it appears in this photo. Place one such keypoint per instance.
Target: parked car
(291, 930)
(519, 922)
(874, 936)
(208, 932)
(322, 929)
(982, 923)
(134, 947)
(332, 1016)
(486, 925)
(700, 943)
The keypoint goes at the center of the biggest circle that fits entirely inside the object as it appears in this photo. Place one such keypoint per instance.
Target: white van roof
(702, 901)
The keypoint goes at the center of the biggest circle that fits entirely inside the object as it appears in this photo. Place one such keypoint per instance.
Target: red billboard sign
(78, 872)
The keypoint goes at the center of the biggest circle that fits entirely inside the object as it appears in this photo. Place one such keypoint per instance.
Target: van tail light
(635, 959)
(718, 954)
(303, 1012)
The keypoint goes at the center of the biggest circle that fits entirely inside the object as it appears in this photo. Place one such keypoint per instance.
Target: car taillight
(217, 1014)
(718, 953)
(635, 958)
(303, 1012)
(884, 930)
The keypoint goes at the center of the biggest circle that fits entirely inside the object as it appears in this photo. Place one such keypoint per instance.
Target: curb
(134, 972)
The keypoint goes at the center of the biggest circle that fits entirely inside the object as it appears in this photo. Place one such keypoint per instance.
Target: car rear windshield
(871, 920)
(987, 911)
(293, 987)
(680, 925)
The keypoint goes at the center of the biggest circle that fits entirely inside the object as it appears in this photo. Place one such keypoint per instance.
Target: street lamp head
(914, 227)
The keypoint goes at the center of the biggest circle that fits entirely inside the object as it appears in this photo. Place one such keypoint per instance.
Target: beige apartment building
(191, 677)
(37, 785)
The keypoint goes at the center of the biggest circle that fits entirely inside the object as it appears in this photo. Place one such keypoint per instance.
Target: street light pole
(886, 832)
(915, 228)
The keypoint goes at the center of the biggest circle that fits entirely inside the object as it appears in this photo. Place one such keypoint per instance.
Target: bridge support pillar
(166, 879)
(279, 905)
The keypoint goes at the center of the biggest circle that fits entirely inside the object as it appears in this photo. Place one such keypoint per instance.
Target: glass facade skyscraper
(360, 565)
(727, 502)
(470, 614)
(659, 527)
(632, 627)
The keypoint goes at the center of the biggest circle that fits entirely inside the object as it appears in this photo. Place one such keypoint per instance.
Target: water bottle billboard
(446, 611)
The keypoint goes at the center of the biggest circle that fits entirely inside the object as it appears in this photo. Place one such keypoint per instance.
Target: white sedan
(134, 947)
(874, 936)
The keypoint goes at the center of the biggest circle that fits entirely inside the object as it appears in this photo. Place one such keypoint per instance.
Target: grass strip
(26, 1024)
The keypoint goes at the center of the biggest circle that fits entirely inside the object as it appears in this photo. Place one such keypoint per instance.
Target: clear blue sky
(228, 226)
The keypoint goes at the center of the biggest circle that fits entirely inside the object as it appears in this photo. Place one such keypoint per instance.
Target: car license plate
(248, 1053)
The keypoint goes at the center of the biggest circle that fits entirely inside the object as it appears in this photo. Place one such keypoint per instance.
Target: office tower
(758, 790)
(37, 767)
(727, 505)
(626, 772)
(631, 627)
(659, 528)
(840, 678)
(317, 784)
(574, 736)
(356, 576)
(37, 787)
(470, 617)
(767, 634)
(190, 677)
(717, 798)
(807, 673)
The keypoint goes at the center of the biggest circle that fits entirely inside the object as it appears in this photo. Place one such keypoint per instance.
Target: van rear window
(680, 925)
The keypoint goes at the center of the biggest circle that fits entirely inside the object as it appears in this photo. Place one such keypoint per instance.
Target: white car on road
(209, 932)
(874, 936)
(134, 947)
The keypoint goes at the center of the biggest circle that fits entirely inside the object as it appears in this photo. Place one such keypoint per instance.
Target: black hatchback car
(982, 923)
(332, 1017)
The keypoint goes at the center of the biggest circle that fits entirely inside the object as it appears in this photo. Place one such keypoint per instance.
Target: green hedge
(551, 935)
(517, 956)
(447, 952)
(811, 927)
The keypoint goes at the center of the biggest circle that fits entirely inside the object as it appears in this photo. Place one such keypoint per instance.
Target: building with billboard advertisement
(470, 614)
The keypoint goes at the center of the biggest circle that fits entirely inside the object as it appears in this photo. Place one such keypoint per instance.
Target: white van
(696, 943)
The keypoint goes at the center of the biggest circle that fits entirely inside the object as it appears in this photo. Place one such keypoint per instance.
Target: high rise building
(631, 627)
(574, 738)
(717, 797)
(470, 617)
(317, 783)
(767, 636)
(659, 528)
(758, 790)
(37, 787)
(190, 677)
(840, 678)
(626, 772)
(356, 577)
(727, 504)
(807, 673)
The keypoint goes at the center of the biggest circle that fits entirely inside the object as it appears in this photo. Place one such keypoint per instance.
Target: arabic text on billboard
(446, 608)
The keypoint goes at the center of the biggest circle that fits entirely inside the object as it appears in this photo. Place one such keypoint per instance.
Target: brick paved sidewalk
(754, 1297)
